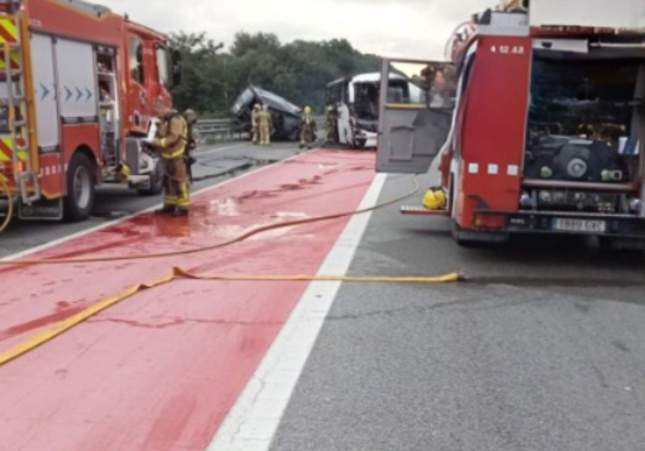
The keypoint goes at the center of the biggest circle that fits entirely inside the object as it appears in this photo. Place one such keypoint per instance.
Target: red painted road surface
(161, 370)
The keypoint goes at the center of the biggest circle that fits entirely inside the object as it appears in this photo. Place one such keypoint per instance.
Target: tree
(298, 71)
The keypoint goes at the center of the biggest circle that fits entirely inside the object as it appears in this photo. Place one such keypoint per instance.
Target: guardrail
(218, 130)
(214, 130)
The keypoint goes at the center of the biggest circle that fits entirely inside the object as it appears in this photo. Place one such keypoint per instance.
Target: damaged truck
(547, 131)
(285, 115)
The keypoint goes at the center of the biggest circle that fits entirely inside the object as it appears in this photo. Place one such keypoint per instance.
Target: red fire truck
(541, 130)
(79, 86)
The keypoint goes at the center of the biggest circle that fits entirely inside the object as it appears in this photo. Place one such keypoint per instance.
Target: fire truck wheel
(156, 181)
(80, 188)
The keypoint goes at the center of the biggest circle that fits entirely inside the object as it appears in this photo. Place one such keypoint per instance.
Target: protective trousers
(255, 126)
(307, 134)
(265, 134)
(176, 191)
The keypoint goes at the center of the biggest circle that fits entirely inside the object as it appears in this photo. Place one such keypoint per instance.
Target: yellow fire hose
(177, 274)
(5, 191)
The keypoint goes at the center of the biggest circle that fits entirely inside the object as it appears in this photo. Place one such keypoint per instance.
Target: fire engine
(541, 130)
(79, 89)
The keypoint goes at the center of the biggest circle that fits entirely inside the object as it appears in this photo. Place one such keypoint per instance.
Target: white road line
(64, 239)
(254, 420)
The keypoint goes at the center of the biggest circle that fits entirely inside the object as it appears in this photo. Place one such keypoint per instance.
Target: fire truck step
(422, 211)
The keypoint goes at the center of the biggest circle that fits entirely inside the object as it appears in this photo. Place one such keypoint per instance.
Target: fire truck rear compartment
(584, 127)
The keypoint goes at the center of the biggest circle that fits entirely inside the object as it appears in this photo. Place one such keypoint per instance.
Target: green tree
(298, 71)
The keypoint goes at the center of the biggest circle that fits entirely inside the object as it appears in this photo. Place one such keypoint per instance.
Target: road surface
(541, 349)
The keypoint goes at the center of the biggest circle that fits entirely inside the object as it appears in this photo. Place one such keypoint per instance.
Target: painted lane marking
(253, 421)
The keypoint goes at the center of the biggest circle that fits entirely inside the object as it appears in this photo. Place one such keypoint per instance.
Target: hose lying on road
(245, 236)
(5, 191)
(181, 274)
(177, 274)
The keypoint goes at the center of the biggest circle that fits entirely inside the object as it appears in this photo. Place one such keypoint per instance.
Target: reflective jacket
(173, 139)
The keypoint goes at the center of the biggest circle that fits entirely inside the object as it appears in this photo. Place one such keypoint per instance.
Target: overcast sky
(412, 28)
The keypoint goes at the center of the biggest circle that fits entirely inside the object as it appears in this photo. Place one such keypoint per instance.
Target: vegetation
(298, 71)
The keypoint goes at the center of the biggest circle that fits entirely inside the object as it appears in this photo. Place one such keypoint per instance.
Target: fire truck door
(415, 114)
(47, 117)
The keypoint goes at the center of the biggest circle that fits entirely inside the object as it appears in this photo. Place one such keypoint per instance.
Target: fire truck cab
(79, 87)
(544, 133)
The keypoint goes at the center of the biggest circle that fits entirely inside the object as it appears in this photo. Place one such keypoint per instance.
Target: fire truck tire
(156, 181)
(79, 201)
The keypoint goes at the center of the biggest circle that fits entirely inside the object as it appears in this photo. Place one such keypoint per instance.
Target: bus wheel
(79, 201)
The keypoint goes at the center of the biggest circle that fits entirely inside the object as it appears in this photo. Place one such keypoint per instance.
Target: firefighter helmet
(190, 116)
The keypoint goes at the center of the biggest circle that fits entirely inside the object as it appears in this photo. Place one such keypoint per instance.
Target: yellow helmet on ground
(435, 199)
(308, 110)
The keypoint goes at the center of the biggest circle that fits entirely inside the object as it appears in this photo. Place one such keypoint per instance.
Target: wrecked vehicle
(286, 116)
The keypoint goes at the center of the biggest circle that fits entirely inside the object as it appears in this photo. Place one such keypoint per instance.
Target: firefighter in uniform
(255, 124)
(171, 142)
(264, 125)
(332, 124)
(307, 129)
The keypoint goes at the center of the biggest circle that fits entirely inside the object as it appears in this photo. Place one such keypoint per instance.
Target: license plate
(579, 225)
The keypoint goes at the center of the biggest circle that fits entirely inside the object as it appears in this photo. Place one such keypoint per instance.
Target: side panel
(52, 175)
(493, 131)
(47, 118)
(77, 81)
(77, 135)
(413, 128)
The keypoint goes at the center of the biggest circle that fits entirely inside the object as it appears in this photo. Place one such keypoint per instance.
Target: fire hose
(198, 250)
(178, 274)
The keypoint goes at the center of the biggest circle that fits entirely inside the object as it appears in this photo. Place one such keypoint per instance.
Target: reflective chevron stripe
(8, 30)
(6, 149)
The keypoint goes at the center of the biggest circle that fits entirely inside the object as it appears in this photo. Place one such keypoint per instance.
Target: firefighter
(191, 120)
(332, 124)
(307, 129)
(171, 142)
(264, 125)
(255, 125)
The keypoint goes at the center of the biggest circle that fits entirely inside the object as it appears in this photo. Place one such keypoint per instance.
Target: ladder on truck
(17, 100)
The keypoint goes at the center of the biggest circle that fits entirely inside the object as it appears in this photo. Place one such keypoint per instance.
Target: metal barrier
(215, 130)
(218, 130)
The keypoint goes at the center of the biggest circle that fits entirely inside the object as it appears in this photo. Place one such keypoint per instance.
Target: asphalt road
(214, 165)
(544, 349)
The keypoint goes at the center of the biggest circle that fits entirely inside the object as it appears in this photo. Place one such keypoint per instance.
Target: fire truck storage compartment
(44, 74)
(585, 113)
(109, 112)
(76, 81)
